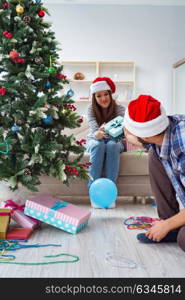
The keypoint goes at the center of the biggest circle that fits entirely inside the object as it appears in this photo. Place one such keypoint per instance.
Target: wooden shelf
(90, 81)
(121, 72)
(124, 82)
(80, 81)
(117, 62)
(78, 62)
(97, 62)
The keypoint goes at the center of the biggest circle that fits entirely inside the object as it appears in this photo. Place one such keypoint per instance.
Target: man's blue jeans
(105, 157)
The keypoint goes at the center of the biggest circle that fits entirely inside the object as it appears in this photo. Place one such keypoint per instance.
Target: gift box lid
(59, 209)
(114, 122)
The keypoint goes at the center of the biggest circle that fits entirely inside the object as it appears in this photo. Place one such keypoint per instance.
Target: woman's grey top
(92, 120)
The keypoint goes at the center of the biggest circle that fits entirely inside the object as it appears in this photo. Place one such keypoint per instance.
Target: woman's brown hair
(98, 111)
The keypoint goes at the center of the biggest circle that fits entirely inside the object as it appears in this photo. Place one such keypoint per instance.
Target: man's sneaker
(171, 237)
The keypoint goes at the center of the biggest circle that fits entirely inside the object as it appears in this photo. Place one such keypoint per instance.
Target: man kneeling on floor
(147, 125)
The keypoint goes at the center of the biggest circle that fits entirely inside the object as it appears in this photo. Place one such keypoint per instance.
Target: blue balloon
(103, 192)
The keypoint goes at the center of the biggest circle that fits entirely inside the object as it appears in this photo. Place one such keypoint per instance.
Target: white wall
(152, 36)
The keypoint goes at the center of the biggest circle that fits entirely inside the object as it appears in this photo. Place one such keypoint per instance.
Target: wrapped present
(130, 147)
(4, 222)
(115, 127)
(19, 233)
(63, 215)
(17, 214)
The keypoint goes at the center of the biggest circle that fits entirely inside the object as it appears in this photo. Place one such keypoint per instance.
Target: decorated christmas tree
(33, 114)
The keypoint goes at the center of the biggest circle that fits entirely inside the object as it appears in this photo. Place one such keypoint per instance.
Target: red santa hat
(145, 117)
(102, 84)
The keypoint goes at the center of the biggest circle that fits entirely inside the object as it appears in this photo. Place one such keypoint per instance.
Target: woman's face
(103, 98)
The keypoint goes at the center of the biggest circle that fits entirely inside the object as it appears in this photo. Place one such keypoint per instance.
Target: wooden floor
(106, 248)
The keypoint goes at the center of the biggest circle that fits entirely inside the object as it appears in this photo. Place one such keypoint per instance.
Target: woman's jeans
(105, 157)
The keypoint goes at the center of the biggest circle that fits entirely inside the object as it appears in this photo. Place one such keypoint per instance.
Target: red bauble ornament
(7, 34)
(41, 13)
(5, 5)
(80, 120)
(2, 91)
(19, 60)
(13, 54)
(60, 76)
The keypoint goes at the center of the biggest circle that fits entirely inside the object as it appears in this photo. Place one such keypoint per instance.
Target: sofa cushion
(133, 164)
(130, 163)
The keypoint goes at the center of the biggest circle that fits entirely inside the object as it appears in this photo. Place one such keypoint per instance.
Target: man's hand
(158, 231)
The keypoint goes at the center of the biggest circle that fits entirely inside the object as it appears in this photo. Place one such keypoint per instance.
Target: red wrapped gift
(19, 233)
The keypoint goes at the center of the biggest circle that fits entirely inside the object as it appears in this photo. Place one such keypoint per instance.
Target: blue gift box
(114, 127)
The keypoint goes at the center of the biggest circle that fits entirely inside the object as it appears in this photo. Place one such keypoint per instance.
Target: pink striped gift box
(131, 147)
(60, 214)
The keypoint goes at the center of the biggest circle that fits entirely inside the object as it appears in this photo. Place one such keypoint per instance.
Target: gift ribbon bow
(14, 206)
(59, 204)
(116, 124)
(56, 206)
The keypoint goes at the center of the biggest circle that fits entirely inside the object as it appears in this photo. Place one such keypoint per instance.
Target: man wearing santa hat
(146, 124)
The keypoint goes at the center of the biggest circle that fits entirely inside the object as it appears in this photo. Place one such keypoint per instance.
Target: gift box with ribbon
(4, 222)
(17, 214)
(61, 214)
(19, 233)
(115, 127)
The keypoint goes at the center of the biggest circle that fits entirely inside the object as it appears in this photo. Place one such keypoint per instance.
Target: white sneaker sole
(96, 206)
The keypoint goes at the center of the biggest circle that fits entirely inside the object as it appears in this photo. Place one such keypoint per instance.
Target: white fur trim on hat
(149, 128)
(99, 86)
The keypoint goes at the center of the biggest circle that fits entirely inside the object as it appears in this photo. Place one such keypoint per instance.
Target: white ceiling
(120, 2)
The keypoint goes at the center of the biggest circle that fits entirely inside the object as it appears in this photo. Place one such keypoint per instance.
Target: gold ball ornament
(19, 9)
(64, 111)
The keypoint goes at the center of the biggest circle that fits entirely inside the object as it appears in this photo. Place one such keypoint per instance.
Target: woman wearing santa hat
(104, 151)
(147, 124)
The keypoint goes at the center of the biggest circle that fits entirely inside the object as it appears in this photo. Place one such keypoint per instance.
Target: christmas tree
(33, 114)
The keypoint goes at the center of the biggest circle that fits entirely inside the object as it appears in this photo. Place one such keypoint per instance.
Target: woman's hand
(100, 133)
